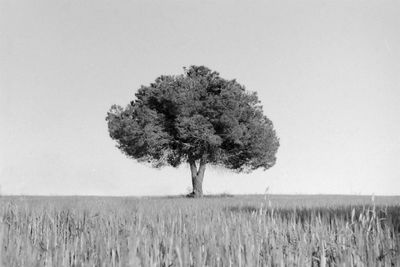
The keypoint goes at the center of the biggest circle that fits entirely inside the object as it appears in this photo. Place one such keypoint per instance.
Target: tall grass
(230, 231)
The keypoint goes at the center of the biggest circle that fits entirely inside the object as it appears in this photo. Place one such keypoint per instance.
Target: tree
(197, 118)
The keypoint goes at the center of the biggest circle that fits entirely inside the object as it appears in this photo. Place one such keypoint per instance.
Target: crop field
(270, 230)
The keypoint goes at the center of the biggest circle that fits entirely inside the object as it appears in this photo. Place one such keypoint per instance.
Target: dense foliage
(192, 117)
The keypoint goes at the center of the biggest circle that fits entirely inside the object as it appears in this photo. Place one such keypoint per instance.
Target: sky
(326, 72)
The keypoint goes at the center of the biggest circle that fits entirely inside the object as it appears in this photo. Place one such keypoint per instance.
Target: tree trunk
(197, 177)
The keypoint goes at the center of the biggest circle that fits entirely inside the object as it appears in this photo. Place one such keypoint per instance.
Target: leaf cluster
(192, 116)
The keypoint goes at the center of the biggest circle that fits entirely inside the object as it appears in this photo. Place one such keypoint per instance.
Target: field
(271, 230)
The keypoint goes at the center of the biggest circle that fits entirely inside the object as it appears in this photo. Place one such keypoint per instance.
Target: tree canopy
(195, 116)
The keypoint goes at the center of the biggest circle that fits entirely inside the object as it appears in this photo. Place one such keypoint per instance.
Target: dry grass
(227, 231)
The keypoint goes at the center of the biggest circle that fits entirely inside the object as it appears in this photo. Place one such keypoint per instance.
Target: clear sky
(327, 73)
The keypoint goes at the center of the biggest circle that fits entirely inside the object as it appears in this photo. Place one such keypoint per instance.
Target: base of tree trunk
(194, 195)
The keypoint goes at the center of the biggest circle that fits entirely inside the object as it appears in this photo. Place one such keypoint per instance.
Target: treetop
(192, 116)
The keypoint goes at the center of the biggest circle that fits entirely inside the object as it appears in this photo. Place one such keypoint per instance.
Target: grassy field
(214, 231)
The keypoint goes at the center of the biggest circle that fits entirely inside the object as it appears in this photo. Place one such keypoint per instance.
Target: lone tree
(199, 118)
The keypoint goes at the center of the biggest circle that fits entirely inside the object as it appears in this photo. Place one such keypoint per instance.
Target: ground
(261, 230)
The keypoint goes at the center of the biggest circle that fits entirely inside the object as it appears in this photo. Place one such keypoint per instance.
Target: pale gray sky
(327, 73)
